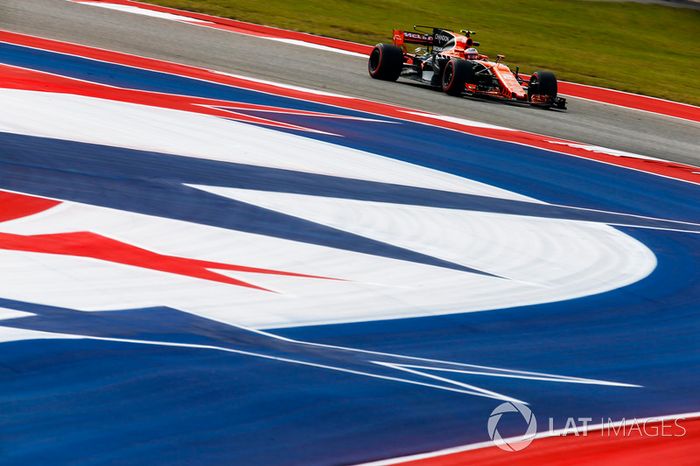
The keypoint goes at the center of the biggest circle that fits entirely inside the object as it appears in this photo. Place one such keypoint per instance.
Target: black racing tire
(455, 76)
(385, 62)
(543, 83)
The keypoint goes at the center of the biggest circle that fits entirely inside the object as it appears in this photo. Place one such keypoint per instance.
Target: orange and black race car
(450, 61)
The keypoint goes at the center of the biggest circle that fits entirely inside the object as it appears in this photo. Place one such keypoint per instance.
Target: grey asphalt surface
(586, 122)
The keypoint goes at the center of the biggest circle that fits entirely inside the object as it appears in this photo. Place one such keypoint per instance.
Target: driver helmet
(471, 53)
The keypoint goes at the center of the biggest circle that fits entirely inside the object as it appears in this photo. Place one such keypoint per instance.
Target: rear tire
(385, 62)
(542, 84)
(455, 76)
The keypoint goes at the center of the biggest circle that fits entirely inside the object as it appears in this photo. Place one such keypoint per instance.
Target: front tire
(455, 76)
(542, 90)
(385, 62)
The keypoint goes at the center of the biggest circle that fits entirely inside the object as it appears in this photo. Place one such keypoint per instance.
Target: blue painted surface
(106, 402)
(134, 78)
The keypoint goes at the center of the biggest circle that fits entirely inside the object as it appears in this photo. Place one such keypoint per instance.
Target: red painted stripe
(13, 206)
(625, 99)
(87, 244)
(24, 79)
(664, 168)
(32, 80)
(634, 448)
(598, 94)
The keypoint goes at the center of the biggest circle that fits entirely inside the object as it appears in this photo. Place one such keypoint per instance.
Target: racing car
(450, 61)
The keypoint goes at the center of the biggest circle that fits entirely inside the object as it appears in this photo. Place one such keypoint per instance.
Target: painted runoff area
(204, 258)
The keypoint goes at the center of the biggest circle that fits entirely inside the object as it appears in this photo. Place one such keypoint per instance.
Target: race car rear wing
(438, 37)
(408, 37)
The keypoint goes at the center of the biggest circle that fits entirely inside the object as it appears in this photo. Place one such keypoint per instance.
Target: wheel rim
(532, 87)
(447, 76)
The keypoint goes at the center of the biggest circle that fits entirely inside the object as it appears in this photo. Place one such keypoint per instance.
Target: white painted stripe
(650, 112)
(460, 121)
(12, 314)
(98, 121)
(459, 387)
(633, 94)
(421, 380)
(143, 12)
(507, 246)
(199, 22)
(285, 86)
(8, 334)
(605, 150)
(315, 46)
